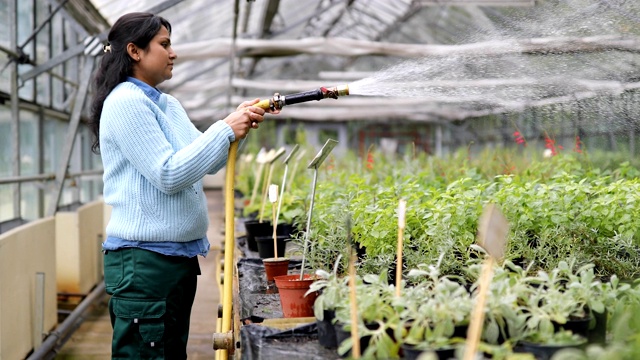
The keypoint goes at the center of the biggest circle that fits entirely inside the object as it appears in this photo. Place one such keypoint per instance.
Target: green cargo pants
(150, 306)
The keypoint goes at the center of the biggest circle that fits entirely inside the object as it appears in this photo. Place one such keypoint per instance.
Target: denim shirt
(188, 249)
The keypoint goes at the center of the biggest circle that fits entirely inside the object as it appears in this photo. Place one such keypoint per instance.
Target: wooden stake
(267, 180)
(492, 236)
(271, 157)
(402, 206)
(355, 338)
(260, 160)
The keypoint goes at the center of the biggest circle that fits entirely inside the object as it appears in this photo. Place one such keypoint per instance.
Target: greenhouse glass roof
(419, 60)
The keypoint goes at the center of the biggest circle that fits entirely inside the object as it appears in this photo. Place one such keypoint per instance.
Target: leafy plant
(333, 291)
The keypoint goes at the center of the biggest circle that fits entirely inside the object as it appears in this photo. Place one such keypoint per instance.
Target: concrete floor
(92, 341)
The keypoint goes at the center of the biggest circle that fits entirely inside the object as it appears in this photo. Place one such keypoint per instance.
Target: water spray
(279, 101)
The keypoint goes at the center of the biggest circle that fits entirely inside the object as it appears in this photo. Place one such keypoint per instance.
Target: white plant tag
(402, 208)
(273, 193)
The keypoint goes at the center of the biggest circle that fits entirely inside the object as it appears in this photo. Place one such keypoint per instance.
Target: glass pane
(85, 191)
(4, 41)
(43, 53)
(91, 184)
(6, 142)
(53, 136)
(6, 156)
(69, 193)
(5, 85)
(4, 24)
(29, 159)
(25, 28)
(6, 202)
(57, 47)
(30, 193)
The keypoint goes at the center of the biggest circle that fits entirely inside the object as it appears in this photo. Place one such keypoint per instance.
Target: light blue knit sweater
(154, 160)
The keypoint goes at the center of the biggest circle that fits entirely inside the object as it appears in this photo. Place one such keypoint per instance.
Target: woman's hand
(246, 117)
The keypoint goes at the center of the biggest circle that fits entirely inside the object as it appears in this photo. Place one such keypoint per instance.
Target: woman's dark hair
(116, 65)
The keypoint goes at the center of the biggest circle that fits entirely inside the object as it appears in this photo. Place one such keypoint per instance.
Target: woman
(154, 160)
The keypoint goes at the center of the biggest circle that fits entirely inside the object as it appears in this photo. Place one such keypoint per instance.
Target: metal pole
(308, 230)
(15, 112)
(38, 319)
(70, 323)
(48, 176)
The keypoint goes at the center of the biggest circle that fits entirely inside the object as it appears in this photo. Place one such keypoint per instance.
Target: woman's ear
(132, 50)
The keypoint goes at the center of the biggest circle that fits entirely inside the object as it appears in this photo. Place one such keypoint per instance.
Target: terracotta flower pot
(292, 299)
(275, 267)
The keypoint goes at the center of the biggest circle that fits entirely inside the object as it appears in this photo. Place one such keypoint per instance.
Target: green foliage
(568, 211)
(573, 234)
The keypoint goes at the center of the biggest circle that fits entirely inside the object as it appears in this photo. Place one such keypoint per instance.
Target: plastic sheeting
(261, 342)
(260, 301)
(258, 298)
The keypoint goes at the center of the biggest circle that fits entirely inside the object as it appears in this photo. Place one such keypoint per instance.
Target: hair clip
(106, 48)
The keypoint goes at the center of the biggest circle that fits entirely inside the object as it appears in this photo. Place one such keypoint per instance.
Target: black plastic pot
(576, 326)
(255, 228)
(265, 246)
(326, 331)
(411, 353)
(598, 334)
(287, 230)
(544, 351)
(342, 335)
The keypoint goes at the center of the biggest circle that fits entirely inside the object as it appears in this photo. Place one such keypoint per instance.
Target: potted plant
(332, 292)
(435, 313)
(377, 318)
(295, 298)
(544, 343)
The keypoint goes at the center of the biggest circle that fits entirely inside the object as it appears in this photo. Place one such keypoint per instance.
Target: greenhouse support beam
(74, 121)
(55, 61)
(524, 3)
(15, 111)
(80, 47)
(345, 47)
(70, 20)
(44, 23)
(46, 177)
(163, 6)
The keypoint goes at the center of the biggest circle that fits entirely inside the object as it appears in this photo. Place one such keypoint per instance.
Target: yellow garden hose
(229, 243)
(276, 103)
(229, 240)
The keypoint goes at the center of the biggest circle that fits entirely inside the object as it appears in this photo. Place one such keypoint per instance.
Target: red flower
(551, 145)
(578, 145)
(519, 138)
(370, 161)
